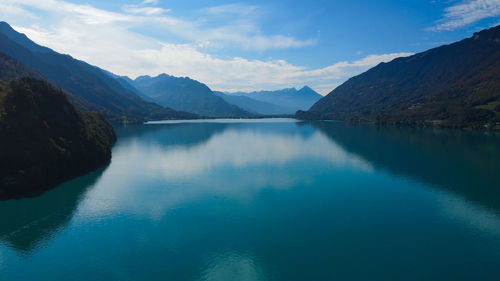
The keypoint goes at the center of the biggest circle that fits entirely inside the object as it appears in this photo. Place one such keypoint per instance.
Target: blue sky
(247, 45)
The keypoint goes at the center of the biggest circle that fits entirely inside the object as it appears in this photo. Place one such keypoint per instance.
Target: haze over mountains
(186, 94)
(454, 85)
(285, 101)
(121, 99)
(183, 93)
(89, 87)
(255, 106)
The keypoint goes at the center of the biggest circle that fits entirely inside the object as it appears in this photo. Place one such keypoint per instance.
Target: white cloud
(144, 9)
(345, 69)
(12, 10)
(240, 9)
(107, 39)
(466, 13)
(241, 31)
(152, 2)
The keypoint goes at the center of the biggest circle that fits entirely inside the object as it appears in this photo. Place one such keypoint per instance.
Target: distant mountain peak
(184, 93)
(4, 25)
(288, 98)
(21, 38)
(142, 77)
(307, 91)
(162, 75)
(88, 87)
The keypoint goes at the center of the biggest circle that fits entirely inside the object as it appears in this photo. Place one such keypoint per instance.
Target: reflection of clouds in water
(243, 149)
(474, 215)
(169, 176)
(232, 267)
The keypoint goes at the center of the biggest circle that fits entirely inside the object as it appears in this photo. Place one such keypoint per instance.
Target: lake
(268, 199)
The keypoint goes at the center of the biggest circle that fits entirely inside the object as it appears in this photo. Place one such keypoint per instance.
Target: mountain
(456, 85)
(289, 100)
(11, 69)
(99, 91)
(22, 39)
(255, 106)
(127, 83)
(45, 139)
(187, 95)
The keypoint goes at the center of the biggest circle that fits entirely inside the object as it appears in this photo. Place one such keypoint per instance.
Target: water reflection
(168, 165)
(463, 162)
(474, 215)
(27, 223)
(170, 134)
(267, 201)
(184, 162)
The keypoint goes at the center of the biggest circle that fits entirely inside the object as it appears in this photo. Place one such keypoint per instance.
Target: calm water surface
(268, 200)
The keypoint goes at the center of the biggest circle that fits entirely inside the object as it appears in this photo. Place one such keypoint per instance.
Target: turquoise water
(268, 200)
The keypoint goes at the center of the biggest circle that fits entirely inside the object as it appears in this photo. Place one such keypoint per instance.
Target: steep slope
(290, 99)
(187, 95)
(11, 69)
(454, 85)
(45, 139)
(22, 39)
(101, 92)
(255, 106)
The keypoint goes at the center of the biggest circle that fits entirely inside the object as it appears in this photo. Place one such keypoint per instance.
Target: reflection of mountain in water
(28, 222)
(197, 133)
(464, 162)
(186, 134)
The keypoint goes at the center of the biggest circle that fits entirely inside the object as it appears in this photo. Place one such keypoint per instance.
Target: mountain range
(285, 101)
(254, 106)
(122, 99)
(87, 86)
(456, 85)
(186, 94)
(54, 109)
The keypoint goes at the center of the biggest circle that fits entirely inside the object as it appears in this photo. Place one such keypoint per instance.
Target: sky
(247, 45)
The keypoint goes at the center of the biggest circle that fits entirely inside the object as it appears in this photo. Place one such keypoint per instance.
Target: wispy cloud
(135, 9)
(240, 9)
(240, 27)
(145, 8)
(152, 2)
(345, 69)
(467, 12)
(240, 30)
(109, 40)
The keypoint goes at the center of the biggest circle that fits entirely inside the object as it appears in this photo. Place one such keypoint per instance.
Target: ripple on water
(232, 266)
